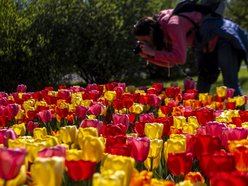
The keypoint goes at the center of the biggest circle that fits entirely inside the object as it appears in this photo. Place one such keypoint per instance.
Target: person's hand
(147, 50)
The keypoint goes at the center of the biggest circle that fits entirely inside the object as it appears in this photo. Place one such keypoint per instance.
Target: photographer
(219, 44)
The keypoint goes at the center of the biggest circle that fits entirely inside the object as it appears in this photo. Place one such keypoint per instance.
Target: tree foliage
(43, 40)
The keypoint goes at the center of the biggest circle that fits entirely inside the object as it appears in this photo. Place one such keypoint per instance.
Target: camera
(137, 49)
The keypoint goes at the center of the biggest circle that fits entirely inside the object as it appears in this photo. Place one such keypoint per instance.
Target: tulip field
(120, 135)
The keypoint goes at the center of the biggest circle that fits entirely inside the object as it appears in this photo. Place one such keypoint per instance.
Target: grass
(243, 78)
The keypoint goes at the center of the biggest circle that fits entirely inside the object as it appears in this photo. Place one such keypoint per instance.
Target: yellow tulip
(222, 119)
(154, 130)
(240, 101)
(19, 180)
(51, 140)
(141, 92)
(20, 129)
(73, 154)
(62, 104)
(179, 121)
(176, 143)
(119, 163)
(68, 134)
(156, 182)
(86, 103)
(42, 167)
(221, 91)
(193, 120)
(110, 95)
(29, 103)
(89, 131)
(52, 93)
(109, 178)
(39, 132)
(76, 99)
(92, 148)
(20, 114)
(231, 126)
(40, 103)
(245, 125)
(136, 108)
(33, 147)
(154, 155)
(203, 96)
(189, 128)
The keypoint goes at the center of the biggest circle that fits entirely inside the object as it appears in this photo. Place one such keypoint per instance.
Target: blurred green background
(55, 42)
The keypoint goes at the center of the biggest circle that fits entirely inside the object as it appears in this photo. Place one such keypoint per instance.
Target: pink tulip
(81, 111)
(45, 115)
(92, 123)
(189, 84)
(96, 108)
(57, 150)
(121, 118)
(214, 128)
(11, 161)
(140, 147)
(6, 134)
(237, 133)
(12, 110)
(21, 88)
(146, 117)
(229, 92)
(32, 125)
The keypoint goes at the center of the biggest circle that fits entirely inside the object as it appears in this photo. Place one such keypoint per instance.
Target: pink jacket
(175, 29)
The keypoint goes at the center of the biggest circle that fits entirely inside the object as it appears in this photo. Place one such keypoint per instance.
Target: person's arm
(178, 53)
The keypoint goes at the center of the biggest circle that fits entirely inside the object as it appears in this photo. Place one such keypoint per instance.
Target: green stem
(151, 159)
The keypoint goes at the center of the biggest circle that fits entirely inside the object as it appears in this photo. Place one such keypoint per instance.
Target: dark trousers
(224, 59)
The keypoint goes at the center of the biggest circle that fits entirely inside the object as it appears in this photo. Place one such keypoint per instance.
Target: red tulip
(127, 100)
(204, 114)
(243, 115)
(80, 170)
(140, 147)
(231, 105)
(158, 87)
(237, 121)
(203, 144)
(113, 130)
(117, 103)
(166, 109)
(114, 141)
(58, 150)
(152, 91)
(121, 150)
(45, 115)
(139, 128)
(11, 161)
(172, 92)
(211, 164)
(179, 163)
(229, 179)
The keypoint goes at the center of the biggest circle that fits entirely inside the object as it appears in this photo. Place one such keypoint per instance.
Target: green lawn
(243, 76)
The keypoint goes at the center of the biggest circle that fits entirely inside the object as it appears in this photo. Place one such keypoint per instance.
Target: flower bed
(115, 134)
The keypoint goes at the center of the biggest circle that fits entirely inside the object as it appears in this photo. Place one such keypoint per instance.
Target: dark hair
(147, 24)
